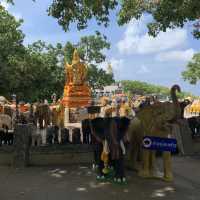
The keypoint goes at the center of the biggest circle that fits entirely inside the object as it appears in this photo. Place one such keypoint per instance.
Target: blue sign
(158, 143)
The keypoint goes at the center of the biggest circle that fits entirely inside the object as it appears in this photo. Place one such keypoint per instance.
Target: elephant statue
(109, 133)
(153, 120)
(5, 125)
(57, 115)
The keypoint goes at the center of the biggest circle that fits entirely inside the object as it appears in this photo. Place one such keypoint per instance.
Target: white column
(66, 117)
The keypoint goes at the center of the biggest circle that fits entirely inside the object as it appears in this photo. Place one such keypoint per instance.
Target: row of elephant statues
(37, 113)
(118, 132)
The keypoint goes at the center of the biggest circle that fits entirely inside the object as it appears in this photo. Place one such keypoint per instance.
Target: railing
(51, 135)
(73, 133)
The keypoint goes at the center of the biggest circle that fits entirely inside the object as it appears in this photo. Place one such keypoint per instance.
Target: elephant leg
(84, 138)
(145, 171)
(119, 170)
(99, 162)
(116, 168)
(131, 155)
(152, 164)
(167, 163)
(119, 165)
(134, 157)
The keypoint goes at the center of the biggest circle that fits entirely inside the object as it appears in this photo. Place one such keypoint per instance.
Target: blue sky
(133, 54)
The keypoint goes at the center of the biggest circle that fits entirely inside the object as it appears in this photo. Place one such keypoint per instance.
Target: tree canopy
(89, 48)
(98, 78)
(143, 88)
(165, 13)
(80, 11)
(11, 47)
(192, 72)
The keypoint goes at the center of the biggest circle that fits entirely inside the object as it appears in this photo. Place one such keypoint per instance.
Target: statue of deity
(77, 71)
(76, 91)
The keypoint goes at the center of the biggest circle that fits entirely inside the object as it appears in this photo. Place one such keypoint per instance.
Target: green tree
(143, 88)
(47, 65)
(39, 72)
(89, 48)
(192, 72)
(98, 78)
(166, 13)
(11, 48)
(80, 11)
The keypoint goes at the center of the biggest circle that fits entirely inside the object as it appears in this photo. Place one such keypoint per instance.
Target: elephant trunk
(177, 107)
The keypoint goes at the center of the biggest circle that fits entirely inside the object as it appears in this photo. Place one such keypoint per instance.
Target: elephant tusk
(122, 147)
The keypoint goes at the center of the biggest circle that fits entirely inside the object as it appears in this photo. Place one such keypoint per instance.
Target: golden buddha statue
(79, 69)
(76, 73)
(76, 91)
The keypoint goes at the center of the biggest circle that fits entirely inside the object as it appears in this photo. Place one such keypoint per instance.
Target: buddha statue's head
(76, 57)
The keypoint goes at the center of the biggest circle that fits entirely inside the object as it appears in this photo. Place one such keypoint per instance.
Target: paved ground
(78, 182)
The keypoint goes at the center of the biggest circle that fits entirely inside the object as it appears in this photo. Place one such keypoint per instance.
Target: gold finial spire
(76, 57)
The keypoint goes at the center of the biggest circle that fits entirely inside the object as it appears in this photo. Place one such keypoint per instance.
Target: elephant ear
(98, 127)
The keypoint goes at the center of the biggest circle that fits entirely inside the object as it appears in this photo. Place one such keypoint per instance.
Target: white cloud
(143, 70)
(5, 4)
(118, 67)
(137, 41)
(182, 55)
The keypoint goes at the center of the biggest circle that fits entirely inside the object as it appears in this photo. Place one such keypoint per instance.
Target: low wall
(52, 155)
(61, 155)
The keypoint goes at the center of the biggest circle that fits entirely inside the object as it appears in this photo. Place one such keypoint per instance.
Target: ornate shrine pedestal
(76, 96)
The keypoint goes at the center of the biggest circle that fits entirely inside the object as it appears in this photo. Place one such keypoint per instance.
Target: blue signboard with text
(158, 143)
